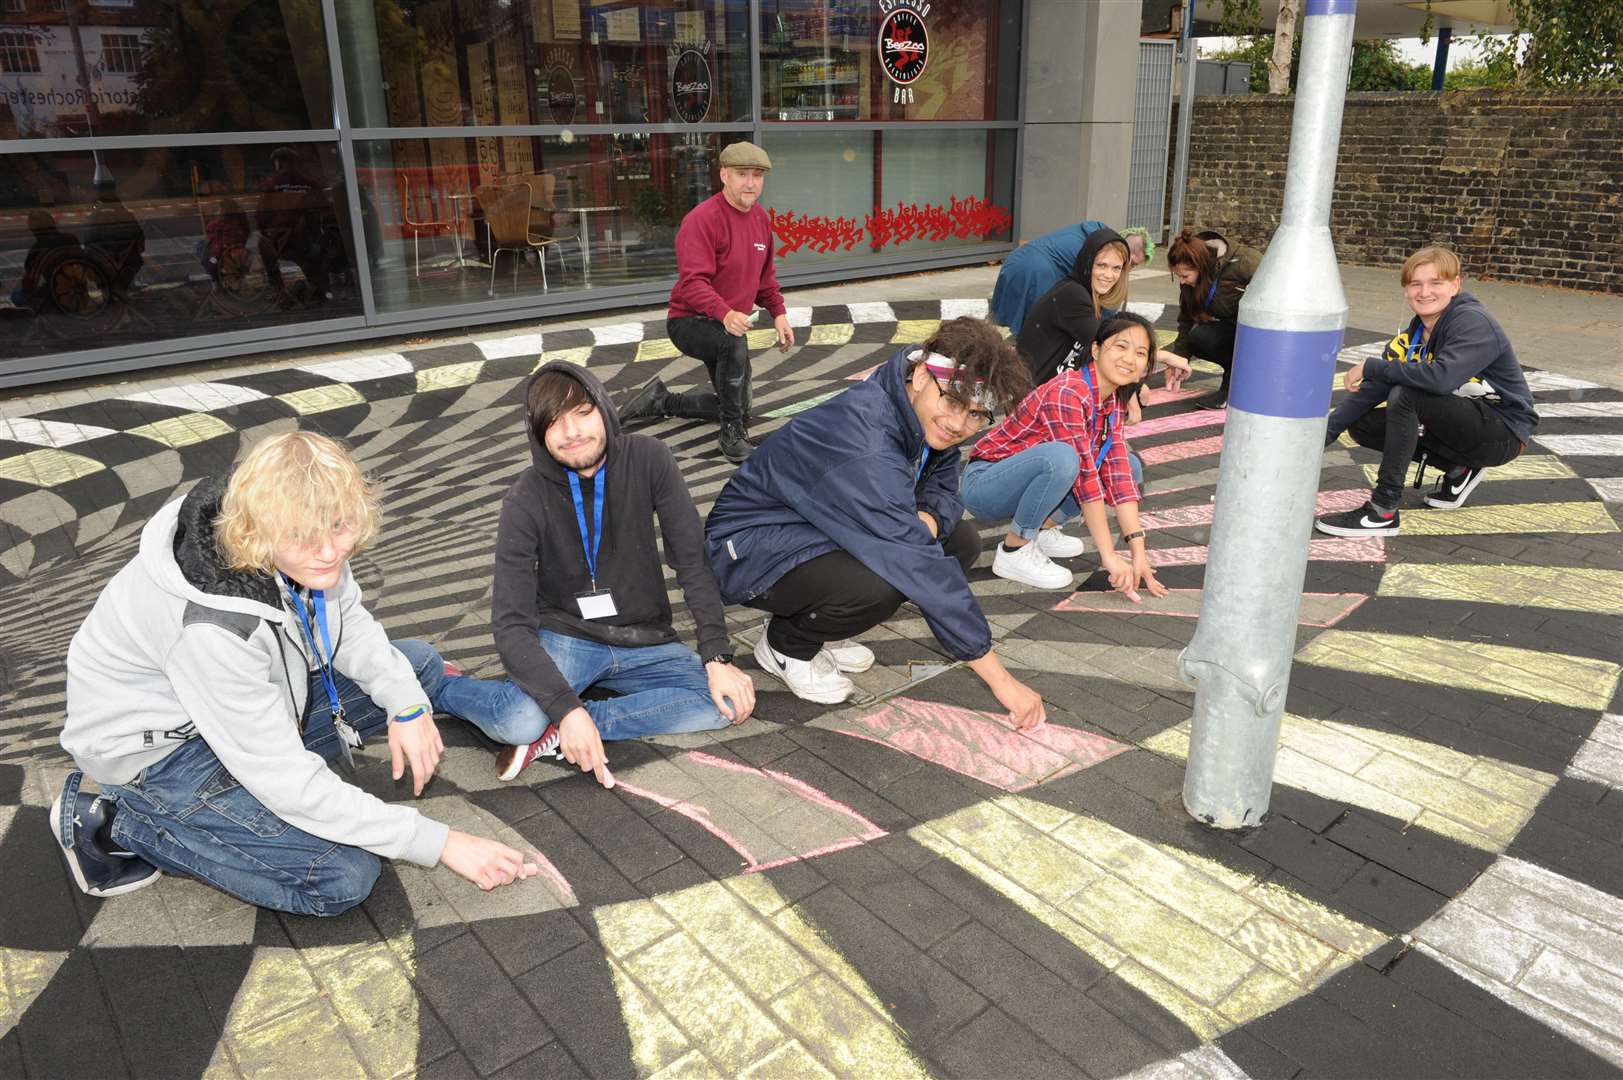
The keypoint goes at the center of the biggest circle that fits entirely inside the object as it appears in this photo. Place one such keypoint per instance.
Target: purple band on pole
(1332, 7)
(1284, 372)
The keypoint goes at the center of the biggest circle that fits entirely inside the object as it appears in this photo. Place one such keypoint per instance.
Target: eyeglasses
(957, 406)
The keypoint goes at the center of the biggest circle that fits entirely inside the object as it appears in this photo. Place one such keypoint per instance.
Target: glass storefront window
(555, 214)
(152, 67)
(127, 246)
(885, 60)
(410, 63)
(849, 194)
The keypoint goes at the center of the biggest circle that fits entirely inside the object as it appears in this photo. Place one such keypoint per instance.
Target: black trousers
(1452, 431)
(834, 597)
(1214, 341)
(727, 359)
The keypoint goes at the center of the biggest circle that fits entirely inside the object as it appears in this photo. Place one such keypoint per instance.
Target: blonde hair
(1116, 298)
(292, 487)
(1444, 261)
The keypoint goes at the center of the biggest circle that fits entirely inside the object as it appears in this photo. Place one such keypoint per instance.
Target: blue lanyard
(1110, 419)
(1211, 294)
(1417, 344)
(323, 660)
(923, 460)
(590, 547)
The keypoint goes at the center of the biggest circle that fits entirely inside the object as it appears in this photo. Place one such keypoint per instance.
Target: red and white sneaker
(512, 760)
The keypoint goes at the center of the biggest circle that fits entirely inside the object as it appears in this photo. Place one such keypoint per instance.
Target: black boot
(735, 443)
(646, 404)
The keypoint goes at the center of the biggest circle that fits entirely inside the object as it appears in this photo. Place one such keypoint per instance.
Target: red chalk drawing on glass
(769, 817)
(964, 219)
(981, 745)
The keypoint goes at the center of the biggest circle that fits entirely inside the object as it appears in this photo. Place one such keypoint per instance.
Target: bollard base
(1226, 821)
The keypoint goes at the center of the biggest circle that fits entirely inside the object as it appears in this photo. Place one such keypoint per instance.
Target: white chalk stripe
(1582, 445)
(1558, 409)
(199, 396)
(1600, 758)
(53, 434)
(500, 348)
(617, 333)
(952, 309)
(361, 368)
(1549, 380)
(877, 311)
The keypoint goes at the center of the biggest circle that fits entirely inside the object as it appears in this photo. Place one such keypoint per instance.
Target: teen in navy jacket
(853, 507)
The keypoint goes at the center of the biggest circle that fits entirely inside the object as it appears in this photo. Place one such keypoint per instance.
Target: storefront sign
(561, 93)
(904, 45)
(691, 84)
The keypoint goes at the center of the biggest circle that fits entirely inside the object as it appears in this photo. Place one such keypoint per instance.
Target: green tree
(1480, 75)
(1562, 43)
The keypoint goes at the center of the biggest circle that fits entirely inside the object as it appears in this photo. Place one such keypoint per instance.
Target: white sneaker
(850, 656)
(1056, 543)
(817, 679)
(1028, 565)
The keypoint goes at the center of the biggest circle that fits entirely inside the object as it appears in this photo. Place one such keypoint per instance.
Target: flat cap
(745, 155)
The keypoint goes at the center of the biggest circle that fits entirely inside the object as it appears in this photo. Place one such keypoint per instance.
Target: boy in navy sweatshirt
(724, 271)
(1453, 392)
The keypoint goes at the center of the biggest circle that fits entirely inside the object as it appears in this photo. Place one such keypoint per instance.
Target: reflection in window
(429, 63)
(128, 246)
(578, 213)
(146, 67)
(121, 53)
(858, 60)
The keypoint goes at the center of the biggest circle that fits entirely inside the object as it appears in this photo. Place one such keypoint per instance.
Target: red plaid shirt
(1064, 409)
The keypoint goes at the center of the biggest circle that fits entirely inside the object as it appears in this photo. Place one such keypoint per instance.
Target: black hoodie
(1064, 315)
(541, 563)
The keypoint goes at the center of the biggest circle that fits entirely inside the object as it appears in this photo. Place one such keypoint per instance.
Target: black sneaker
(1365, 521)
(77, 819)
(646, 404)
(1454, 488)
(735, 443)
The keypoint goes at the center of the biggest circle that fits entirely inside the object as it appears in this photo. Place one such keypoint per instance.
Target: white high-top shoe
(1056, 543)
(817, 679)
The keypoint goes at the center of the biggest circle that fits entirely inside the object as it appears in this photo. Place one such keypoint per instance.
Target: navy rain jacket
(845, 474)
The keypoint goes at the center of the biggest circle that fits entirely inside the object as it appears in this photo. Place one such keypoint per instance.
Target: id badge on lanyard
(596, 603)
(311, 622)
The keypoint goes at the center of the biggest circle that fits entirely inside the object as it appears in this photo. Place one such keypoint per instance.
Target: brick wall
(1525, 186)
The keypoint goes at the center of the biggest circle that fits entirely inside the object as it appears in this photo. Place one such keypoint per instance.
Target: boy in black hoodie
(1453, 392)
(579, 596)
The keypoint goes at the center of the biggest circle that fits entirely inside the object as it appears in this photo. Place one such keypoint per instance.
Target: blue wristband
(408, 717)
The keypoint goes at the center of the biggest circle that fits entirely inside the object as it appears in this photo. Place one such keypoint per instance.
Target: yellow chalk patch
(690, 1066)
(576, 355)
(47, 468)
(1576, 681)
(370, 990)
(1554, 517)
(1210, 944)
(1526, 467)
(280, 1025)
(832, 334)
(914, 331)
(1562, 588)
(448, 376)
(320, 399)
(1163, 338)
(657, 349)
(187, 430)
(1205, 366)
(1477, 800)
(726, 977)
(23, 974)
(761, 339)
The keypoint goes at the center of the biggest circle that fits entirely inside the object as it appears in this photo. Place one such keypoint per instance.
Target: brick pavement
(898, 886)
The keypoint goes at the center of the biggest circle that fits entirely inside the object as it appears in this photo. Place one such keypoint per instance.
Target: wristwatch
(720, 658)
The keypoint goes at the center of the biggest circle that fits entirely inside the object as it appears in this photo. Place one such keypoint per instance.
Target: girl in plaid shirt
(1063, 451)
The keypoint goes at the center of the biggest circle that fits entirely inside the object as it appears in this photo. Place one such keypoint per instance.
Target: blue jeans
(662, 690)
(1029, 487)
(188, 815)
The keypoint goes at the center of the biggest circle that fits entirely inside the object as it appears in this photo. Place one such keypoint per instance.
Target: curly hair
(982, 355)
(294, 487)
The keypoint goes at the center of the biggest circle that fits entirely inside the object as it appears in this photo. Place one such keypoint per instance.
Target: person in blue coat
(1038, 265)
(853, 507)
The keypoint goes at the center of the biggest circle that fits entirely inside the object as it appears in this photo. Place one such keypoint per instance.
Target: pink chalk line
(699, 814)
(1369, 549)
(1160, 455)
(1180, 517)
(560, 884)
(976, 745)
(1182, 422)
(1113, 603)
(1162, 396)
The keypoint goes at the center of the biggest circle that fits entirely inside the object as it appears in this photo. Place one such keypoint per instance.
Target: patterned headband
(942, 367)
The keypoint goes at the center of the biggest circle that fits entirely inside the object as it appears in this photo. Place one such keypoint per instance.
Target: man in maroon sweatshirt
(723, 272)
